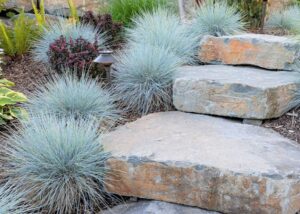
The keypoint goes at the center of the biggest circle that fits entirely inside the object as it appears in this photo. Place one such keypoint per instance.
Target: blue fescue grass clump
(217, 19)
(162, 28)
(60, 162)
(143, 78)
(69, 30)
(11, 201)
(286, 21)
(69, 95)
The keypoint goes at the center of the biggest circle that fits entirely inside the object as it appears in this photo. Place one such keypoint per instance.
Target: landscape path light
(106, 59)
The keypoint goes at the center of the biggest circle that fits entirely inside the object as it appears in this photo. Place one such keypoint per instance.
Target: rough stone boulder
(203, 161)
(240, 92)
(54, 6)
(155, 207)
(265, 51)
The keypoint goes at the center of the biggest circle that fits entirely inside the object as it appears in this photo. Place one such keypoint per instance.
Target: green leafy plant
(217, 19)
(252, 10)
(124, 10)
(58, 162)
(287, 21)
(162, 28)
(18, 39)
(8, 101)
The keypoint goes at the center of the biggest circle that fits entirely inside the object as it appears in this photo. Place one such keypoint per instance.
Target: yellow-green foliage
(39, 13)
(73, 11)
(2, 4)
(18, 39)
(8, 101)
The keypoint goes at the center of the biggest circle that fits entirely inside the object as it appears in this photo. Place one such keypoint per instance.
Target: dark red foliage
(74, 54)
(104, 23)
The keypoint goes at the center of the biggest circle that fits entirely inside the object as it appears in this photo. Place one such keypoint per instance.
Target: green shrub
(287, 21)
(58, 162)
(252, 10)
(143, 78)
(8, 100)
(124, 10)
(69, 95)
(217, 19)
(18, 39)
(162, 28)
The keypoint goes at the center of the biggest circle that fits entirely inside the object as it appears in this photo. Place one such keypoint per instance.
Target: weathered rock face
(266, 51)
(203, 161)
(240, 92)
(54, 6)
(82, 5)
(155, 207)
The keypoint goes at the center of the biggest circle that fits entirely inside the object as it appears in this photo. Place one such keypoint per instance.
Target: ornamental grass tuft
(162, 28)
(59, 162)
(143, 78)
(12, 201)
(287, 21)
(217, 19)
(69, 95)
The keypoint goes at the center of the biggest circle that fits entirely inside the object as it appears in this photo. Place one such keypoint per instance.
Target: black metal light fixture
(106, 59)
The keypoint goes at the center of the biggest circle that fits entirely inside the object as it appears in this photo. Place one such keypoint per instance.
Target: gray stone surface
(241, 92)
(155, 207)
(253, 122)
(203, 161)
(266, 51)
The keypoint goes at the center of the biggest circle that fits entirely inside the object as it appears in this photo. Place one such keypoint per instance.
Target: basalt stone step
(208, 162)
(241, 92)
(265, 51)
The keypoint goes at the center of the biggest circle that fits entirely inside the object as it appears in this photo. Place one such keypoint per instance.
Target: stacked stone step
(231, 86)
(203, 161)
(210, 162)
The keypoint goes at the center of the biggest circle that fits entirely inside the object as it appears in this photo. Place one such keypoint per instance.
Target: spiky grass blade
(68, 30)
(6, 40)
(60, 162)
(217, 19)
(73, 11)
(143, 77)
(12, 202)
(69, 95)
(287, 21)
(162, 28)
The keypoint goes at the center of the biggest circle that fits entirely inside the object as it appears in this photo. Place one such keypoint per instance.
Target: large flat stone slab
(266, 51)
(155, 207)
(203, 161)
(240, 92)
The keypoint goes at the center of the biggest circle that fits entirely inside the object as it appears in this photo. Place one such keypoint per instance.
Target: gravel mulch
(288, 125)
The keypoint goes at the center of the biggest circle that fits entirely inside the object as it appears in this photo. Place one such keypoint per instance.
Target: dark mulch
(24, 72)
(287, 125)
